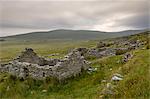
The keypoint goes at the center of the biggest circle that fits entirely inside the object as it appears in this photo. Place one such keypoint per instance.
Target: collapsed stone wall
(103, 50)
(29, 64)
(97, 52)
(30, 56)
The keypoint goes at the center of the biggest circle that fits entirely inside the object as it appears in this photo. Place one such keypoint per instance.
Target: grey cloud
(140, 21)
(73, 14)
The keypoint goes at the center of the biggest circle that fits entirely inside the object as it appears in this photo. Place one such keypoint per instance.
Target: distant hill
(63, 34)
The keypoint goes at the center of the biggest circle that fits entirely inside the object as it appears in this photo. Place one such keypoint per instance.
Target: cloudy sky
(20, 16)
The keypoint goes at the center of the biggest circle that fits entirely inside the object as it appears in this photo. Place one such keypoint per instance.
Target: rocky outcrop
(30, 64)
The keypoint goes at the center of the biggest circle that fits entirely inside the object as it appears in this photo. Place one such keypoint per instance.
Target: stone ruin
(97, 52)
(103, 50)
(30, 56)
(30, 64)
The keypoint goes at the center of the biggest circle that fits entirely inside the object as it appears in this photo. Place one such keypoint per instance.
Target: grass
(135, 83)
(10, 50)
(86, 86)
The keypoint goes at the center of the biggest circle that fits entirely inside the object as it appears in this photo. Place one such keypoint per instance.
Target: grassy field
(87, 86)
(135, 83)
(10, 50)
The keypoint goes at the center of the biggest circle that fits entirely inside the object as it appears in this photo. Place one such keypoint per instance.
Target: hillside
(89, 85)
(63, 34)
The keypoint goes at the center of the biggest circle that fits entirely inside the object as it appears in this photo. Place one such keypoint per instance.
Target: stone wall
(29, 64)
(103, 49)
(30, 56)
(97, 52)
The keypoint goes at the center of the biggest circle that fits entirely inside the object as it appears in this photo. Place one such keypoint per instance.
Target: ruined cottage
(30, 64)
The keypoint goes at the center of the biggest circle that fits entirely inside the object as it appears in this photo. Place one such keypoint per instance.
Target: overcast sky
(20, 16)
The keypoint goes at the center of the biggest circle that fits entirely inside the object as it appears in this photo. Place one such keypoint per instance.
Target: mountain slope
(70, 35)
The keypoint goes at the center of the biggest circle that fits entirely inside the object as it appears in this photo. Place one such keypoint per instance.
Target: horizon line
(73, 30)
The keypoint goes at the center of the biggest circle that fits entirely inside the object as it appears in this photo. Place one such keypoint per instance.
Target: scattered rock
(117, 77)
(110, 86)
(90, 70)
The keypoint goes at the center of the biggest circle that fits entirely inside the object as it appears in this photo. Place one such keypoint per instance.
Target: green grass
(86, 86)
(136, 71)
(135, 83)
(10, 50)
